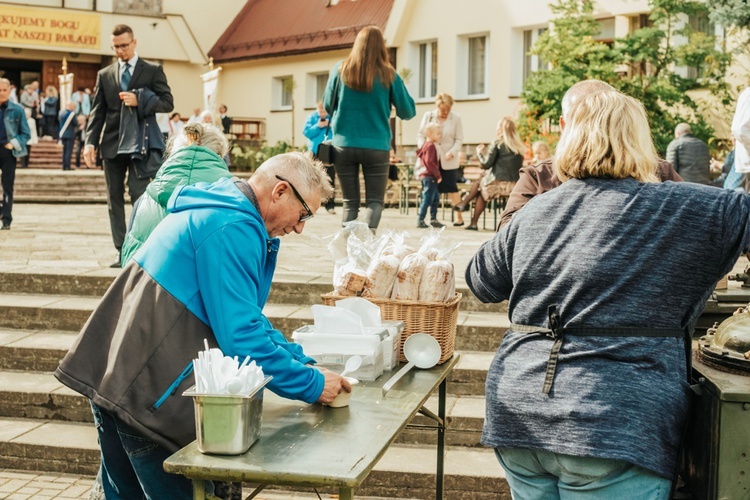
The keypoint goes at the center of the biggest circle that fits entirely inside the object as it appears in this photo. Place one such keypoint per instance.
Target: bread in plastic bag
(380, 276)
(438, 282)
(409, 277)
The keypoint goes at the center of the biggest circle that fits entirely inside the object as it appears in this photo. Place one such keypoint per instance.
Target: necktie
(125, 80)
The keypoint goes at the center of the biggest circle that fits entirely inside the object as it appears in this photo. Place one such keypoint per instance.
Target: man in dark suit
(226, 122)
(113, 93)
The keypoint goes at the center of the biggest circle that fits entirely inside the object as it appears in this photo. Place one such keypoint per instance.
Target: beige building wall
(251, 89)
(248, 87)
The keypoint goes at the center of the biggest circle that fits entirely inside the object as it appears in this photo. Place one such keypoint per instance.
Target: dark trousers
(8, 179)
(23, 162)
(115, 172)
(131, 464)
(48, 126)
(67, 152)
(430, 198)
(331, 202)
(79, 149)
(375, 171)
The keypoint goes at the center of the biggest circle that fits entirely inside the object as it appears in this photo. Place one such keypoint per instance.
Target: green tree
(640, 64)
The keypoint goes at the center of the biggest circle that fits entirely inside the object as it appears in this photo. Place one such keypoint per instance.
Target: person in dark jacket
(113, 94)
(689, 156)
(226, 122)
(502, 164)
(14, 134)
(588, 393)
(50, 110)
(67, 134)
(318, 129)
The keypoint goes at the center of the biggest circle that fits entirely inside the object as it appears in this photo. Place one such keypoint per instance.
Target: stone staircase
(45, 427)
(45, 154)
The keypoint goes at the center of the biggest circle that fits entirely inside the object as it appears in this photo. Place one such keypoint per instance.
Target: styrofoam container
(227, 424)
(331, 350)
(390, 351)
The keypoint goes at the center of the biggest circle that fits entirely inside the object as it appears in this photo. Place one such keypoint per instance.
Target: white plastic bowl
(342, 400)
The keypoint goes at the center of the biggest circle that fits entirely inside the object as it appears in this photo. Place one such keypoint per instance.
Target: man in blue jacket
(204, 273)
(14, 134)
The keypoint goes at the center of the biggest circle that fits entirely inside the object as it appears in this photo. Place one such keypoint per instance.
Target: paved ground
(75, 239)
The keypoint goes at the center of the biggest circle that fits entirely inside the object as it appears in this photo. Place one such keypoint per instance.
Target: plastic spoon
(421, 350)
(352, 365)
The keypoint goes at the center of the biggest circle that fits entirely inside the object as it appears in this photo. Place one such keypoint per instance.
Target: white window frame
(524, 64)
(313, 88)
(463, 64)
(420, 85)
(277, 94)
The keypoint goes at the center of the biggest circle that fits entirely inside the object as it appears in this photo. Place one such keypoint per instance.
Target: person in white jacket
(741, 132)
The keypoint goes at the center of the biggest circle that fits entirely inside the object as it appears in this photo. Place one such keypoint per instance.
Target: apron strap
(557, 332)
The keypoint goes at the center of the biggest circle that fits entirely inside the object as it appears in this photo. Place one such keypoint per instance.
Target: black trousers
(67, 152)
(116, 170)
(8, 179)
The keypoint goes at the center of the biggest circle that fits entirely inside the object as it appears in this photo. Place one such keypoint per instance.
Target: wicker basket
(438, 319)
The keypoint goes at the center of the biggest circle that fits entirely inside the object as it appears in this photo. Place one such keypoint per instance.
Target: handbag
(325, 149)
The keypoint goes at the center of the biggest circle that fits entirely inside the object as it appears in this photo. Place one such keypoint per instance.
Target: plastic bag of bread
(380, 276)
(397, 246)
(409, 277)
(438, 281)
(348, 280)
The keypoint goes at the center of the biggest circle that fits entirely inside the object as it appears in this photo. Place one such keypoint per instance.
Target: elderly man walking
(14, 134)
(204, 273)
(689, 155)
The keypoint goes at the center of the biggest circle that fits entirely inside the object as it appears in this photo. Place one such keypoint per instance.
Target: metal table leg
(199, 489)
(442, 391)
(346, 493)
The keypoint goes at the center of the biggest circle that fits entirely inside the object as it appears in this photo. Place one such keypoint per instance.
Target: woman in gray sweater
(605, 275)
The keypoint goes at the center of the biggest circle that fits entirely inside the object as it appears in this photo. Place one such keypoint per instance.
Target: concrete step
(403, 472)
(41, 351)
(39, 395)
(476, 331)
(288, 288)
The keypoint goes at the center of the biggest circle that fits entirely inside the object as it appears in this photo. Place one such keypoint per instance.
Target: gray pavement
(75, 239)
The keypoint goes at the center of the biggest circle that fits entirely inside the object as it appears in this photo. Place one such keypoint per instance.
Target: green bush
(248, 158)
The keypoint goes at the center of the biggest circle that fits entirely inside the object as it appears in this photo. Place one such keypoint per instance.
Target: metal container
(227, 424)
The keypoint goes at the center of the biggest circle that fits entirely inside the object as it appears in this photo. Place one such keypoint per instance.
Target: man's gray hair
(306, 173)
(682, 129)
(577, 90)
(5, 81)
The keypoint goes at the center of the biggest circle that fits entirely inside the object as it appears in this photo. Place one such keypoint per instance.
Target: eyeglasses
(122, 46)
(310, 214)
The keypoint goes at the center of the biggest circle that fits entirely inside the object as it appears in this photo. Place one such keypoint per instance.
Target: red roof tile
(267, 28)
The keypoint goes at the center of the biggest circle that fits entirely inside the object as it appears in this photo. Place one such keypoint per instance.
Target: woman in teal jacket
(359, 95)
(193, 156)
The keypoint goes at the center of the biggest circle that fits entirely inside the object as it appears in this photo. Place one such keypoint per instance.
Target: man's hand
(129, 98)
(89, 155)
(334, 384)
(449, 155)
(8, 146)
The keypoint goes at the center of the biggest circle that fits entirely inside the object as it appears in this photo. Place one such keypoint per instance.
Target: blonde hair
(430, 128)
(539, 146)
(506, 134)
(444, 98)
(580, 89)
(367, 60)
(606, 135)
(51, 91)
(199, 134)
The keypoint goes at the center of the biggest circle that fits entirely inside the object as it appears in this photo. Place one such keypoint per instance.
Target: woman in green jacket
(195, 155)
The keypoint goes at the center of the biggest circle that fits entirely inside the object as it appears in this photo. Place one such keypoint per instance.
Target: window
(700, 23)
(282, 93)
(427, 70)
(531, 62)
(477, 65)
(315, 87)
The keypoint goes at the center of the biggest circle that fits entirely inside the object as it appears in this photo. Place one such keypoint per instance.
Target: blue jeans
(132, 464)
(375, 172)
(535, 474)
(430, 198)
